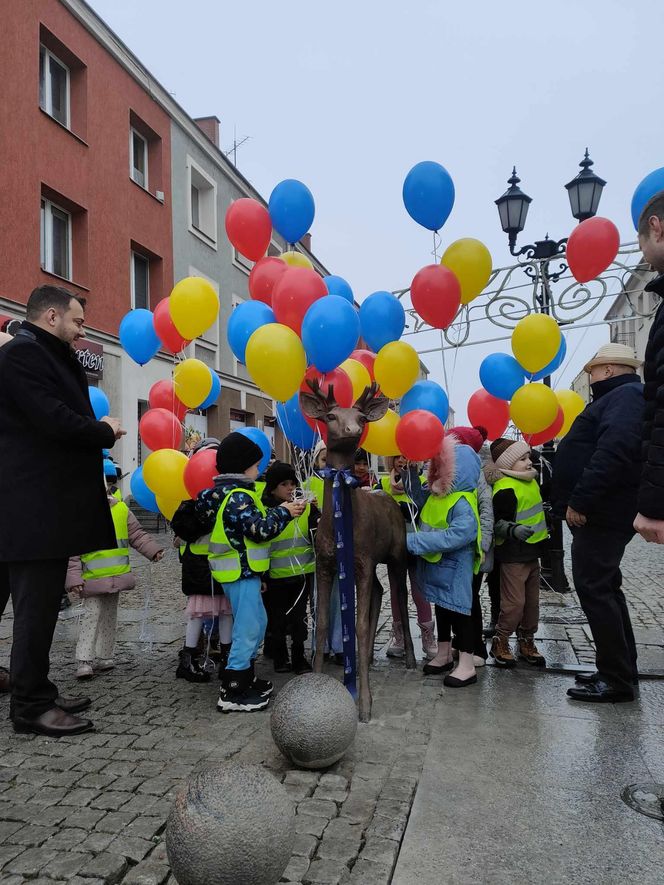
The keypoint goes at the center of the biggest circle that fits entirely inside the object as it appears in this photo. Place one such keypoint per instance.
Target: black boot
(224, 652)
(238, 694)
(262, 686)
(190, 667)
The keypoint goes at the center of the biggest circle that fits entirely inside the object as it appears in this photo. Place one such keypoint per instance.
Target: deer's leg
(363, 617)
(324, 580)
(397, 575)
(376, 599)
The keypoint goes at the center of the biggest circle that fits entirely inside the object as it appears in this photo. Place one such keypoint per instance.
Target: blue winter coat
(449, 582)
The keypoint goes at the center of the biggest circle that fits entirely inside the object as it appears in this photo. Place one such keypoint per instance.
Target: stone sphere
(314, 720)
(231, 825)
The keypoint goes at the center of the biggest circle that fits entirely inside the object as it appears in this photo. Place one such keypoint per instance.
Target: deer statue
(378, 530)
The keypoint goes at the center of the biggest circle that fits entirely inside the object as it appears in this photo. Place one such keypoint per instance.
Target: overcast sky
(347, 96)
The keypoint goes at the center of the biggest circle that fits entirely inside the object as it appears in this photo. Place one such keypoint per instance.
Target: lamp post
(584, 191)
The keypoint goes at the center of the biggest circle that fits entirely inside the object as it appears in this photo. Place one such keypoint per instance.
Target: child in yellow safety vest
(521, 534)
(99, 578)
(292, 565)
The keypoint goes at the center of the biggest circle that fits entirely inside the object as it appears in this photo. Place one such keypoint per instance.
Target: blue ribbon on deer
(342, 482)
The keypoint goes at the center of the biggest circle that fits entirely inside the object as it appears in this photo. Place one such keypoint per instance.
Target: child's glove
(523, 532)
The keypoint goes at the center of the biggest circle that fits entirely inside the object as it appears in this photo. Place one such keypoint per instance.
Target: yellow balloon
(193, 382)
(296, 259)
(276, 360)
(163, 472)
(194, 306)
(470, 261)
(167, 506)
(359, 376)
(381, 436)
(535, 342)
(572, 405)
(533, 408)
(397, 368)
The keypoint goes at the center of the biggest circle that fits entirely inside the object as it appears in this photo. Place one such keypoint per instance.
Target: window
(238, 420)
(138, 158)
(202, 204)
(140, 281)
(55, 240)
(53, 86)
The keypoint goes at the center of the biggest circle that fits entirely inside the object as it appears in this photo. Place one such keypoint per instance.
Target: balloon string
(436, 242)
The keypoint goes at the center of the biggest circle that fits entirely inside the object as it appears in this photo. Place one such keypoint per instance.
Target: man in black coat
(595, 486)
(650, 519)
(52, 491)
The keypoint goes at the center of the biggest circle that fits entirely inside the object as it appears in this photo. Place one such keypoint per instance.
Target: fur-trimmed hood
(455, 469)
(492, 473)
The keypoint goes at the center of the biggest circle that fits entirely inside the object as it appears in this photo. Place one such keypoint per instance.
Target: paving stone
(145, 827)
(7, 828)
(133, 848)
(109, 800)
(366, 872)
(392, 809)
(308, 778)
(115, 822)
(121, 769)
(14, 880)
(295, 870)
(333, 781)
(108, 867)
(97, 780)
(68, 839)
(8, 853)
(79, 797)
(388, 829)
(64, 778)
(65, 866)
(380, 850)
(357, 810)
(33, 836)
(318, 807)
(127, 784)
(85, 818)
(326, 872)
(307, 823)
(401, 789)
(298, 792)
(146, 873)
(369, 771)
(30, 862)
(344, 829)
(334, 848)
(305, 845)
(139, 804)
(97, 842)
(332, 795)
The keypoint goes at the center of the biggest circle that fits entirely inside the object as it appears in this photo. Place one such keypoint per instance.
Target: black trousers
(5, 591)
(36, 590)
(285, 602)
(462, 625)
(479, 645)
(596, 557)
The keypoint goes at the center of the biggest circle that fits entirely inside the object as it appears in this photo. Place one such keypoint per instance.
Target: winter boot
(238, 695)
(528, 651)
(190, 668)
(429, 644)
(300, 663)
(84, 670)
(263, 686)
(501, 652)
(224, 652)
(395, 648)
(490, 629)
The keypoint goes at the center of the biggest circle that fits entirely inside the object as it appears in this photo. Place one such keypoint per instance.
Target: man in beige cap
(595, 486)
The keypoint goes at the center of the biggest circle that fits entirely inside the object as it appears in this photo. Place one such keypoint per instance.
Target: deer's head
(344, 425)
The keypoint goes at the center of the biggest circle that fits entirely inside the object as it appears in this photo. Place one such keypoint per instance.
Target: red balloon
(343, 392)
(165, 328)
(367, 358)
(249, 227)
(419, 435)
(200, 472)
(436, 295)
(551, 432)
(160, 429)
(490, 412)
(294, 293)
(591, 248)
(264, 276)
(162, 396)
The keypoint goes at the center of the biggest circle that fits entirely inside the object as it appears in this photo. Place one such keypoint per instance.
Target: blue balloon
(652, 184)
(244, 321)
(99, 401)
(428, 194)
(293, 424)
(263, 443)
(215, 390)
(426, 395)
(555, 363)
(143, 495)
(330, 330)
(339, 286)
(382, 319)
(138, 337)
(291, 209)
(501, 375)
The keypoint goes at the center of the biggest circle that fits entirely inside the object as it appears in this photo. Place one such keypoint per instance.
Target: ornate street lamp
(513, 209)
(585, 191)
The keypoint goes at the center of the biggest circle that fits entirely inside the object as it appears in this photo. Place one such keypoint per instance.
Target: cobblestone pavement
(92, 809)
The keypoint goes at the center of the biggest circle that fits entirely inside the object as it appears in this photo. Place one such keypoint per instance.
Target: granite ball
(231, 825)
(314, 720)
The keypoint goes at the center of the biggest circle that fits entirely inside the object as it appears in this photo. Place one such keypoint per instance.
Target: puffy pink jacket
(138, 538)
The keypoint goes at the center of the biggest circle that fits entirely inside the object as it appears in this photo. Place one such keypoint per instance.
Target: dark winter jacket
(242, 519)
(196, 576)
(598, 463)
(651, 491)
(51, 474)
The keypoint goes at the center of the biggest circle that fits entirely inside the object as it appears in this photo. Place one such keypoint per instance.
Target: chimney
(210, 127)
(306, 241)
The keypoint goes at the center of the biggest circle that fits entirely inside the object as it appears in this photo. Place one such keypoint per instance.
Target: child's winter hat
(474, 437)
(277, 473)
(506, 452)
(236, 453)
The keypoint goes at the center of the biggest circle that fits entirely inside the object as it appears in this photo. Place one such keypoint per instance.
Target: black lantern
(513, 209)
(585, 191)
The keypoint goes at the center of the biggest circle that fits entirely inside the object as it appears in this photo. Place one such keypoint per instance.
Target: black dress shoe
(435, 670)
(53, 723)
(453, 682)
(599, 692)
(73, 705)
(586, 678)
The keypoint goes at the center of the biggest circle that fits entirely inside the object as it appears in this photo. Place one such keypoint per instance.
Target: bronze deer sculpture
(379, 534)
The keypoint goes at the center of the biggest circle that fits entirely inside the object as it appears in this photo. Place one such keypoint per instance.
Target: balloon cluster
(510, 388)
(299, 326)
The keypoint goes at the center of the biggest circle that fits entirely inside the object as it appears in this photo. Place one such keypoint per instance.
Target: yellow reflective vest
(387, 488)
(224, 559)
(291, 553)
(108, 563)
(433, 518)
(529, 508)
(316, 484)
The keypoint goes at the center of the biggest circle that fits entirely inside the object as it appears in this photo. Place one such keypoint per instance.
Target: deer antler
(366, 396)
(327, 399)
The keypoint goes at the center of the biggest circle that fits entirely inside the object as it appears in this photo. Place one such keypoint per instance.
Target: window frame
(146, 157)
(47, 106)
(46, 238)
(132, 274)
(205, 194)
